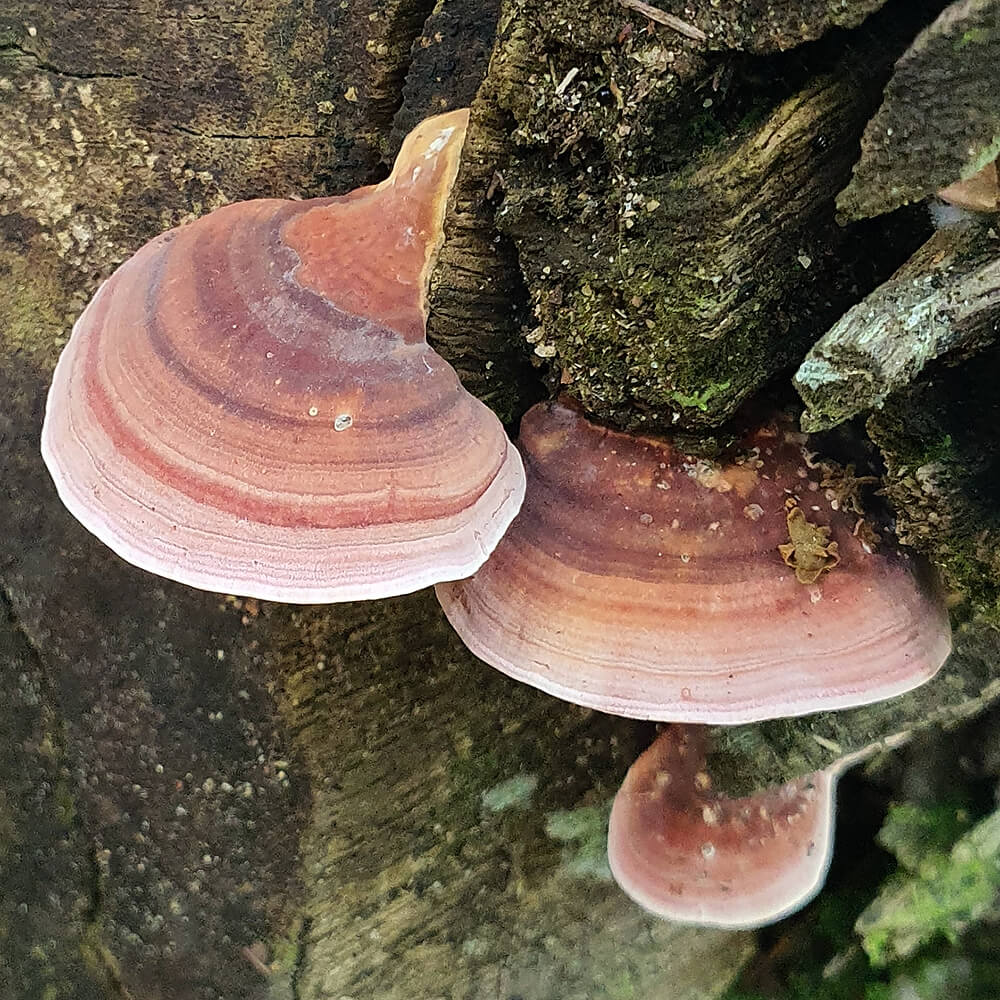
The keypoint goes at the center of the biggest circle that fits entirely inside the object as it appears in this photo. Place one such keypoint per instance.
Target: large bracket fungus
(249, 404)
(644, 582)
(687, 853)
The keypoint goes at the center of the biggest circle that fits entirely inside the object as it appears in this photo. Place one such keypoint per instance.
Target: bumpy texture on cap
(249, 404)
(686, 853)
(644, 582)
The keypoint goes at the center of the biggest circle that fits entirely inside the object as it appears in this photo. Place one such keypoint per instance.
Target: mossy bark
(939, 121)
(673, 219)
(745, 757)
(939, 439)
(671, 206)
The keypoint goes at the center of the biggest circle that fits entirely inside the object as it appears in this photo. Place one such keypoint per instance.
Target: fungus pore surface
(645, 582)
(249, 404)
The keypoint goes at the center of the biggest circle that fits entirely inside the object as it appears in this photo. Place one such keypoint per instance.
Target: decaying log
(677, 237)
(940, 118)
(966, 685)
(447, 63)
(430, 861)
(239, 799)
(766, 26)
(939, 441)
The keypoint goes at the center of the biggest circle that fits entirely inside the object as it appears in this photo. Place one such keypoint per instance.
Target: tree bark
(939, 120)
(945, 300)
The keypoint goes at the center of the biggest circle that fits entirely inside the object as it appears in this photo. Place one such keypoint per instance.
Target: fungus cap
(686, 853)
(978, 193)
(249, 404)
(644, 582)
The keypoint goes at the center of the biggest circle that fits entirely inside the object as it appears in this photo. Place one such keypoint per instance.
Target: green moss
(974, 36)
(921, 944)
(941, 894)
(584, 832)
(65, 806)
(98, 959)
(473, 771)
(622, 987)
(912, 831)
(654, 291)
(700, 400)
(32, 306)
(11, 34)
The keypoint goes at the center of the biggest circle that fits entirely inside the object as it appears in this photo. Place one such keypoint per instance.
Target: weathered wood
(674, 228)
(477, 297)
(447, 62)
(766, 26)
(940, 118)
(416, 886)
(939, 441)
(944, 299)
(116, 126)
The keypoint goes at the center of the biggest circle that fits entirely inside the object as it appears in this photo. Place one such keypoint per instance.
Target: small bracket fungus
(640, 581)
(978, 193)
(249, 404)
(684, 852)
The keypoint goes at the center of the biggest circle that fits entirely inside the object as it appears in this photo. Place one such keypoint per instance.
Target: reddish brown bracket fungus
(249, 403)
(684, 852)
(978, 193)
(641, 581)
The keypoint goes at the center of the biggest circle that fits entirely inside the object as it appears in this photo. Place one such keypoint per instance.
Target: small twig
(670, 20)
(567, 80)
(250, 954)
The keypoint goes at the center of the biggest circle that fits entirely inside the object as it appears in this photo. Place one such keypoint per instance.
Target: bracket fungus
(978, 193)
(249, 404)
(641, 581)
(686, 853)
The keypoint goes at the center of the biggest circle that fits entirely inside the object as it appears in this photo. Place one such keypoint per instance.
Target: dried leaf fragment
(810, 552)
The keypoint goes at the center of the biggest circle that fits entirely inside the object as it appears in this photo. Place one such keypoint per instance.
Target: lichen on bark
(941, 303)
